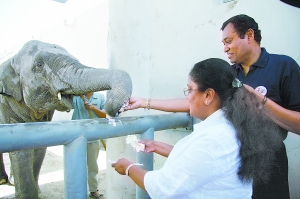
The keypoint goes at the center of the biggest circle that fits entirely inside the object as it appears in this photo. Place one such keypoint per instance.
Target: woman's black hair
(258, 136)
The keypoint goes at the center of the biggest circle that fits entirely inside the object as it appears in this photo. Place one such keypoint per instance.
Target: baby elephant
(38, 80)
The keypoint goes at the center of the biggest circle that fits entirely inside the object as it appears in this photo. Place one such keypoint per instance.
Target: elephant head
(46, 77)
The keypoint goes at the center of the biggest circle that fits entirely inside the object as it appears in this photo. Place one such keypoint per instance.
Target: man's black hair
(242, 23)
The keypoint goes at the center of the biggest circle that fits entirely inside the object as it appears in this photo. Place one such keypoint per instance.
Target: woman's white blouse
(203, 164)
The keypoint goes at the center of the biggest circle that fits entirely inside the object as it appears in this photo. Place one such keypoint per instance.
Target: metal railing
(75, 134)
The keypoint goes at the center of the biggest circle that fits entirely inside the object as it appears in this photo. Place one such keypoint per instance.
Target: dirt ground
(51, 180)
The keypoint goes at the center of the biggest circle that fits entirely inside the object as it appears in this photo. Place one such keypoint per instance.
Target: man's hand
(258, 95)
(88, 106)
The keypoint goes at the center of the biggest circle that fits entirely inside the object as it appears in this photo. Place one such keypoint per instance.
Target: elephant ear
(10, 81)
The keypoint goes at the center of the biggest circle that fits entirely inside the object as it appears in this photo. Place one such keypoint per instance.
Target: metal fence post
(45, 134)
(147, 160)
(75, 169)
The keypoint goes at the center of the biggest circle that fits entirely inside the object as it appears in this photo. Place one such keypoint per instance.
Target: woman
(234, 143)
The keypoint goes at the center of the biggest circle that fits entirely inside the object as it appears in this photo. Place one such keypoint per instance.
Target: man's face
(236, 48)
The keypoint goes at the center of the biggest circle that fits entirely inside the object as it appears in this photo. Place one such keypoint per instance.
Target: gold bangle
(263, 102)
(148, 103)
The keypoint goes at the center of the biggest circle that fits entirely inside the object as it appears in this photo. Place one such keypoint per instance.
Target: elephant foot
(3, 181)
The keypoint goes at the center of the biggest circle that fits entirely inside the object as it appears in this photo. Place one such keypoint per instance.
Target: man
(275, 76)
(91, 103)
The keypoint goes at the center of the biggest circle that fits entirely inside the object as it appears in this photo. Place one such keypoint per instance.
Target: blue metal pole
(74, 135)
(43, 134)
(147, 160)
(75, 169)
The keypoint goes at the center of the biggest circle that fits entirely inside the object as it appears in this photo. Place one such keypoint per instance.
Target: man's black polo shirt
(279, 74)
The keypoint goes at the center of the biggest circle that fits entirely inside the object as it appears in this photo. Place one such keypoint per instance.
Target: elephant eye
(39, 64)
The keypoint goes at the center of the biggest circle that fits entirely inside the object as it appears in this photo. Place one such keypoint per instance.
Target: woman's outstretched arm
(168, 105)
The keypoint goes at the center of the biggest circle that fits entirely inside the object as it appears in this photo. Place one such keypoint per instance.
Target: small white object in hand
(109, 161)
(134, 142)
(125, 105)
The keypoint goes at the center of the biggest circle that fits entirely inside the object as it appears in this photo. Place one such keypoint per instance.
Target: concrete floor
(51, 179)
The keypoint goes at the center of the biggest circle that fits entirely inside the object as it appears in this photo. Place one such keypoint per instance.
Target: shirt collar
(261, 62)
(92, 97)
(210, 120)
(263, 59)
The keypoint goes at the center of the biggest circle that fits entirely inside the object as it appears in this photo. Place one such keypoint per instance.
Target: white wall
(84, 36)
(157, 42)
(81, 27)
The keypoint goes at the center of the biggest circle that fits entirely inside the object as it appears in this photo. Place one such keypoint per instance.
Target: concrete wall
(157, 42)
(84, 36)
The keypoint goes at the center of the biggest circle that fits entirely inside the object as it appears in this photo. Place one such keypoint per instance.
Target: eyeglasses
(187, 91)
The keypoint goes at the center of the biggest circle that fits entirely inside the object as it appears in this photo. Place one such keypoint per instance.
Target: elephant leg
(3, 175)
(22, 167)
(39, 155)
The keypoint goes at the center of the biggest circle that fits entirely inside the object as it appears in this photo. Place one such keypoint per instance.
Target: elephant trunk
(85, 79)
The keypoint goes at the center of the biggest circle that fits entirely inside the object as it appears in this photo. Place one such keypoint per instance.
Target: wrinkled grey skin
(29, 84)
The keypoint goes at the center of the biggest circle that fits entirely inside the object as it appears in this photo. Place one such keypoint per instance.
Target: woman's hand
(149, 145)
(136, 102)
(121, 165)
(136, 173)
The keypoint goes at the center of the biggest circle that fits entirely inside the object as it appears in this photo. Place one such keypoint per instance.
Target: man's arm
(285, 118)
(97, 111)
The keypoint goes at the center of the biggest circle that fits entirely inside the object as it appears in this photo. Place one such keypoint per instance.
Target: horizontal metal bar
(20, 136)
